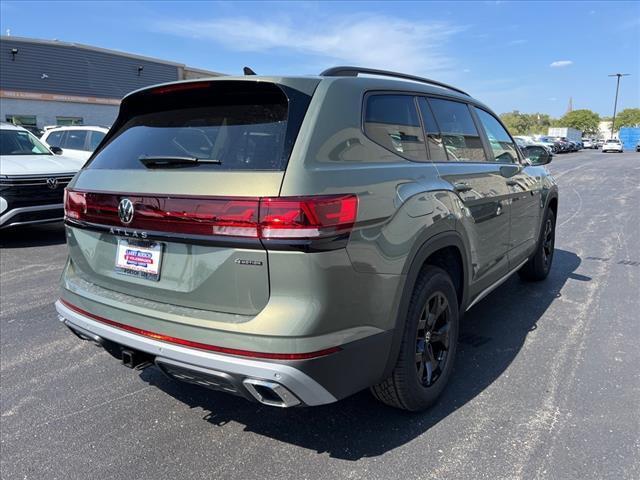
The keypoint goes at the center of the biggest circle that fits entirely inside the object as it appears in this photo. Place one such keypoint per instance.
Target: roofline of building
(61, 43)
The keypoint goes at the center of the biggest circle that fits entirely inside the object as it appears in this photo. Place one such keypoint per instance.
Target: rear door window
(392, 121)
(459, 134)
(75, 140)
(435, 144)
(504, 150)
(229, 125)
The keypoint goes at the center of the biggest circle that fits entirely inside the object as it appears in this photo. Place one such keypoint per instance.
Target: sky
(526, 56)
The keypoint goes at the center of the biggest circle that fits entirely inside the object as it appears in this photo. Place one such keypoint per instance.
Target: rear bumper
(310, 382)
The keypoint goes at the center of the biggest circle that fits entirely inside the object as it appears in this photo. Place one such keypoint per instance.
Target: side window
(75, 139)
(459, 133)
(95, 139)
(504, 150)
(392, 122)
(435, 145)
(55, 139)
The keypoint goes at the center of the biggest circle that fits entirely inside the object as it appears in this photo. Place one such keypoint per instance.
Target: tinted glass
(504, 150)
(75, 139)
(55, 139)
(435, 144)
(18, 142)
(241, 137)
(95, 139)
(459, 134)
(392, 122)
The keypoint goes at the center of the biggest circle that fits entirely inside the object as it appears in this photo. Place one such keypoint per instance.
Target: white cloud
(517, 42)
(561, 63)
(375, 41)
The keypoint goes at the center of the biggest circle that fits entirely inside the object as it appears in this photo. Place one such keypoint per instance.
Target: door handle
(462, 187)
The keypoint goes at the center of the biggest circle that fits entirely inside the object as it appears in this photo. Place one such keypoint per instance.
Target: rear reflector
(266, 218)
(202, 346)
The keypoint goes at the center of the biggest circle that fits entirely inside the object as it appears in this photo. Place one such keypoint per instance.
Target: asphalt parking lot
(547, 383)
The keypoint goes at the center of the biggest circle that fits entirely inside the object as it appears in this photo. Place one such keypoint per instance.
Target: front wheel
(428, 348)
(538, 266)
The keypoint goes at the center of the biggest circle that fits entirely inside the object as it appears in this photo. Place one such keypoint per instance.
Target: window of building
(392, 121)
(69, 121)
(22, 120)
(504, 150)
(435, 144)
(459, 134)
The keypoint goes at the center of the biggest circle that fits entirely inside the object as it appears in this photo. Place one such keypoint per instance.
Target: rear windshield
(224, 128)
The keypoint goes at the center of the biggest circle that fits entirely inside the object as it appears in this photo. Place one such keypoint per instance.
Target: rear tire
(538, 266)
(428, 348)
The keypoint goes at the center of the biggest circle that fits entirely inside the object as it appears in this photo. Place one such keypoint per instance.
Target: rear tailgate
(190, 160)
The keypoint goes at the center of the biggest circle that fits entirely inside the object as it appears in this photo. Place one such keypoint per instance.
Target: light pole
(615, 103)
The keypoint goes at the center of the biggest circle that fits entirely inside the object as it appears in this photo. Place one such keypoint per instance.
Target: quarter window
(504, 150)
(459, 133)
(95, 139)
(392, 122)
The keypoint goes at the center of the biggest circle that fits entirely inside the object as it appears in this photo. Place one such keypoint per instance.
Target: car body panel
(292, 301)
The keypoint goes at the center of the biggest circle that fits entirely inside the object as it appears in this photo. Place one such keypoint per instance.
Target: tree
(526, 123)
(516, 122)
(584, 120)
(629, 117)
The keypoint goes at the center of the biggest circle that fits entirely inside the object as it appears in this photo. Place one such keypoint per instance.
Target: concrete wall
(46, 111)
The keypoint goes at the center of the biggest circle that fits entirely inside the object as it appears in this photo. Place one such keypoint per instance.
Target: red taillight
(307, 217)
(75, 205)
(266, 218)
(179, 87)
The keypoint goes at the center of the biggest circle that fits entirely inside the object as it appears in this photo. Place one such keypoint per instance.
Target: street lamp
(615, 103)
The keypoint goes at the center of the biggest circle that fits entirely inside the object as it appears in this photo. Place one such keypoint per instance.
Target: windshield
(20, 142)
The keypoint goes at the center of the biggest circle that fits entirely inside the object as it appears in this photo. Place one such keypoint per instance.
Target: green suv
(294, 240)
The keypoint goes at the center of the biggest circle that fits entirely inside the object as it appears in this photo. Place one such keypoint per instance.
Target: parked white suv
(32, 178)
(77, 142)
(612, 145)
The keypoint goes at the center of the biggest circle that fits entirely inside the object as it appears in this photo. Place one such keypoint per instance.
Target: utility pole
(615, 103)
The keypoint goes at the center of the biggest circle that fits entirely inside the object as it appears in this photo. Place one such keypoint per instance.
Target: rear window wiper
(173, 161)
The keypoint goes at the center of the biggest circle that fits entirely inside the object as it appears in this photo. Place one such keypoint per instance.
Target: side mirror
(538, 155)
(56, 150)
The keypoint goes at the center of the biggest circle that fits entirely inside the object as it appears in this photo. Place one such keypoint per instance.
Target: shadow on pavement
(33, 236)
(491, 336)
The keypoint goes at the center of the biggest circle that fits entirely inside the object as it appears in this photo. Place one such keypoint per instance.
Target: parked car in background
(294, 240)
(524, 142)
(77, 142)
(549, 142)
(600, 142)
(588, 143)
(638, 146)
(612, 145)
(32, 178)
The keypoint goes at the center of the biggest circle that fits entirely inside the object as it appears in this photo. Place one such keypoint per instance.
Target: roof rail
(355, 71)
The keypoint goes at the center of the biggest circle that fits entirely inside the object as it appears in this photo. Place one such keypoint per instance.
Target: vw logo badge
(125, 211)
(52, 183)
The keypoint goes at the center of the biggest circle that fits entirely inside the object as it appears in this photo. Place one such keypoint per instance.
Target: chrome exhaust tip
(270, 393)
